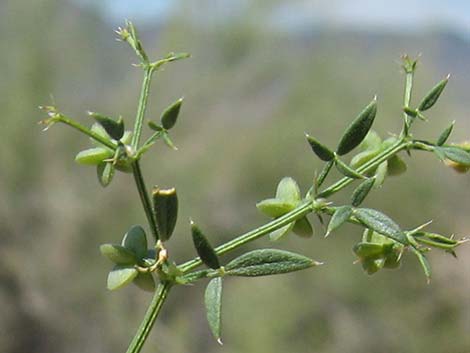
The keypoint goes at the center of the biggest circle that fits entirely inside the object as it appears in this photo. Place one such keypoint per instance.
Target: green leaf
(115, 129)
(93, 156)
(361, 192)
(371, 266)
(165, 207)
(168, 141)
(371, 142)
(322, 152)
(204, 249)
(423, 261)
(346, 170)
(213, 302)
(303, 228)
(288, 191)
(340, 216)
(380, 223)
(445, 134)
(267, 262)
(170, 115)
(362, 158)
(396, 166)
(135, 240)
(368, 251)
(145, 282)
(455, 154)
(120, 276)
(324, 173)
(274, 207)
(154, 126)
(105, 172)
(357, 131)
(381, 174)
(281, 232)
(118, 254)
(433, 95)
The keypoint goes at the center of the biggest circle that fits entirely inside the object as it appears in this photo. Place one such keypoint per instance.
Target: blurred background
(261, 74)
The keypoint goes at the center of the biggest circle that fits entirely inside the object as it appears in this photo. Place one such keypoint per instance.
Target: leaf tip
(219, 341)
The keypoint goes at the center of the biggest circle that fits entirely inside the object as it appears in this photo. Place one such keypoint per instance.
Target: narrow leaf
(288, 191)
(322, 152)
(267, 262)
(145, 282)
(361, 192)
(93, 156)
(170, 115)
(455, 154)
(324, 173)
(166, 138)
(105, 172)
(213, 302)
(341, 216)
(274, 207)
(204, 249)
(380, 223)
(303, 228)
(115, 129)
(357, 131)
(445, 134)
(433, 95)
(135, 240)
(165, 207)
(346, 170)
(118, 254)
(120, 276)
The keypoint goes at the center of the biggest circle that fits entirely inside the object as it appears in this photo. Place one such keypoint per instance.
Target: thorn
(317, 263)
(448, 77)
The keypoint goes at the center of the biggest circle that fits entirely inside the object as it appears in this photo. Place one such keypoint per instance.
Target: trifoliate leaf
(213, 302)
(267, 262)
(120, 276)
(118, 254)
(357, 131)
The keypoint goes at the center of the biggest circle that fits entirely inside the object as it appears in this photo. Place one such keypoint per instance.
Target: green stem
(144, 197)
(150, 316)
(409, 72)
(144, 94)
(86, 131)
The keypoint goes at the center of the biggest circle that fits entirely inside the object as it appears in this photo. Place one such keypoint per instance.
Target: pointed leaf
(358, 129)
(341, 216)
(322, 152)
(445, 134)
(170, 115)
(204, 249)
(120, 276)
(281, 232)
(380, 223)
(346, 170)
(361, 192)
(118, 254)
(168, 141)
(267, 262)
(93, 156)
(274, 207)
(135, 240)
(213, 302)
(145, 282)
(105, 172)
(288, 191)
(165, 207)
(303, 228)
(431, 98)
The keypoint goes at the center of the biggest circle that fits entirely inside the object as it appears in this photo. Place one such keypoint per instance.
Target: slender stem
(86, 131)
(144, 94)
(409, 72)
(144, 197)
(150, 316)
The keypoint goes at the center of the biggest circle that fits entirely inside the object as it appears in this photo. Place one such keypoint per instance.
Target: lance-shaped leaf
(281, 232)
(170, 115)
(165, 206)
(303, 228)
(455, 154)
(114, 128)
(380, 223)
(433, 95)
(346, 170)
(288, 191)
(120, 276)
(213, 302)
(145, 282)
(340, 216)
(357, 131)
(267, 262)
(361, 192)
(322, 152)
(105, 173)
(204, 249)
(118, 254)
(93, 156)
(445, 134)
(274, 207)
(135, 240)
